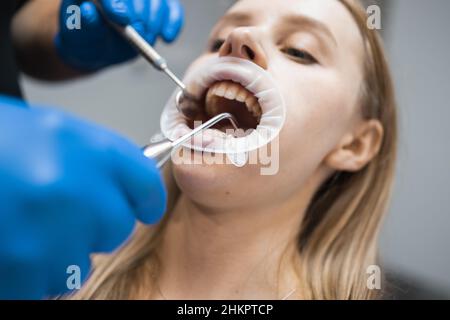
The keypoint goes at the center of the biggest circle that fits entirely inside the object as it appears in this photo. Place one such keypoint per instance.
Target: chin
(202, 176)
(211, 184)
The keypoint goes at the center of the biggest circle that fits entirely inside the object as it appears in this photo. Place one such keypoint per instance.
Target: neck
(241, 253)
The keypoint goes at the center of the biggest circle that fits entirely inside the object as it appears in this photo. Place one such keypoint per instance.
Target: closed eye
(299, 55)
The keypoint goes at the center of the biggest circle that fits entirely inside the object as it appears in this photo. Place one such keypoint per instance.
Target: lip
(252, 77)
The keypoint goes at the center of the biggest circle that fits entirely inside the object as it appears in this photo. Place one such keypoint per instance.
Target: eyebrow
(311, 23)
(237, 18)
(243, 18)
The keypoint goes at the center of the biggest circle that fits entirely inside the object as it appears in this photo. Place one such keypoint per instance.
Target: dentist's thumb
(142, 183)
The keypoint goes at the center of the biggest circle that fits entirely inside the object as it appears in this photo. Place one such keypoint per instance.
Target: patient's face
(313, 50)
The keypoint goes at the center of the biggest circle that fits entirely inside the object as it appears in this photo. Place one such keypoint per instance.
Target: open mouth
(235, 86)
(232, 97)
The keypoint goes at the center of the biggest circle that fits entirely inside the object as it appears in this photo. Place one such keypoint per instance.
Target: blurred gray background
(416, 237)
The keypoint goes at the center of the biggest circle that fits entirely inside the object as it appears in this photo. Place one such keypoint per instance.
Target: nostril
(248, 52)
(228, 49)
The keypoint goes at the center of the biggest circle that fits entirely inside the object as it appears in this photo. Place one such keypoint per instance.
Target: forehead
(323, 10)
(332, 13)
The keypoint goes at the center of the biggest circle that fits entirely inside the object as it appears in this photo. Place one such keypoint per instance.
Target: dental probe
(156, 60)
(162, 150)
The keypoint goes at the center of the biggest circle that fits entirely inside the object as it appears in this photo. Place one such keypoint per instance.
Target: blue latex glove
(67, 189)
(96, 45)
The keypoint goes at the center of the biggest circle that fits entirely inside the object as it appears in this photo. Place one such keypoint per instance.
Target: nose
(242, 43)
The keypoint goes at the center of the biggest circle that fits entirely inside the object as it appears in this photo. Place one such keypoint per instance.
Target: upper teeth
(232, 91)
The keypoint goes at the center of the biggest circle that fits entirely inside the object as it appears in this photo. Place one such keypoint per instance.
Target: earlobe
(356, 150)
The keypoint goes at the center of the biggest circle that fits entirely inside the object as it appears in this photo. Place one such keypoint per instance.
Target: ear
(358, 148)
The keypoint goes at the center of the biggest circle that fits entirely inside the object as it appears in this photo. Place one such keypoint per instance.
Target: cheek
(319, 112)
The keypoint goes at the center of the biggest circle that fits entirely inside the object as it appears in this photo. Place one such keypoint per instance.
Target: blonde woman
(311, 230)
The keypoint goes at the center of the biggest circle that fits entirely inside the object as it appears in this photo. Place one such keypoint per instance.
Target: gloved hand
(67, 189)
(96, 45)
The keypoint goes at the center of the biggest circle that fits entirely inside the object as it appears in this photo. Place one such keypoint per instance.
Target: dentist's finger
(141, 180)
(174, 21)
(119, 11)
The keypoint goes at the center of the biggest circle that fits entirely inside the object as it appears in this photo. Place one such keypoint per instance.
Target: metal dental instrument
(162, 150)
(186, 103)
(155, 59)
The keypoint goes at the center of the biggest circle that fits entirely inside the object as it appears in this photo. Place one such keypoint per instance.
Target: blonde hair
(339, 235)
